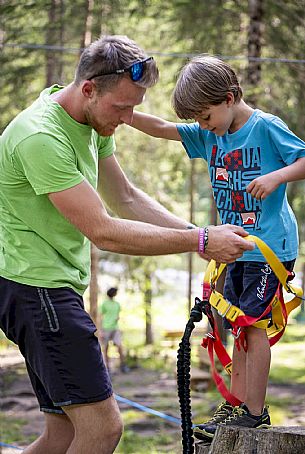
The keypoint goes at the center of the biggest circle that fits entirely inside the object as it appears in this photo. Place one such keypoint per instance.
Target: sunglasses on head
(136, 70)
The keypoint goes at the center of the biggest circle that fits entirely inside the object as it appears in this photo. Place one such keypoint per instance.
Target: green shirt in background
(45, 150)
(110, 311)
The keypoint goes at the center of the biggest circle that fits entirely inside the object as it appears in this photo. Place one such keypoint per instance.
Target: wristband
(201, 238)
(206, 238)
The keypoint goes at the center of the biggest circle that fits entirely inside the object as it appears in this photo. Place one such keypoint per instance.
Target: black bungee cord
(184, 376)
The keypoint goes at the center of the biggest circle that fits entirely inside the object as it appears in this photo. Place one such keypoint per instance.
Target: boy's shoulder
(266, 117)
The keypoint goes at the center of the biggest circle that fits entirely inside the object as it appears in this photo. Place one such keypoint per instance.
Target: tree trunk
(235, 440)
(54, 36)
(148, 308)
(254, 49)
(93, 288)
(86, 38)
(191, 219)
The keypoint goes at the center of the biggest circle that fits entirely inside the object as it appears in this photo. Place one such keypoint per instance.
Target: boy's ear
(230, 99)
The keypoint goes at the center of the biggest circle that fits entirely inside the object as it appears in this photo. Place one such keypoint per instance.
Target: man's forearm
(140, 207)
(136, 238)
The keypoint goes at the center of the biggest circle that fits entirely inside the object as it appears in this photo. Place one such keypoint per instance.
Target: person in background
(110, 313)
(251, 155)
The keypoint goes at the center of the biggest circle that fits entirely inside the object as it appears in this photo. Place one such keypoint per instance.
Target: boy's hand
(262, 186)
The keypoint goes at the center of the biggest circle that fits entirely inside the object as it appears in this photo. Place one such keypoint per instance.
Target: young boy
(251, 155)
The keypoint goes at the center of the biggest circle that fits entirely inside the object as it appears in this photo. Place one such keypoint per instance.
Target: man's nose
(127, 116)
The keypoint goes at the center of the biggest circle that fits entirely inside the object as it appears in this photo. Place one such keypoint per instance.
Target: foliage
(182, 28)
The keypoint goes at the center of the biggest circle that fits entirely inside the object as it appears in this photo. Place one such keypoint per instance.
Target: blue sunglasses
(136, 70)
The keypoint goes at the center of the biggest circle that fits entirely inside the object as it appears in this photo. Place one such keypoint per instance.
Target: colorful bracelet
(201, 238)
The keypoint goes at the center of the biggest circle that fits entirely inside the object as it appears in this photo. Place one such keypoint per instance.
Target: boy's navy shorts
(251, 286)
(57, 338)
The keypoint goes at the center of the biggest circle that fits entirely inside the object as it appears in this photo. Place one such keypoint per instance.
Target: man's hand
(226, 243)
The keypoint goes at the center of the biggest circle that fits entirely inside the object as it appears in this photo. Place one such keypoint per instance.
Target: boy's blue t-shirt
(263, 144)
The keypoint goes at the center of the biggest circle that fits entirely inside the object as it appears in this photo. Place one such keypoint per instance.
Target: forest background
(40, 43)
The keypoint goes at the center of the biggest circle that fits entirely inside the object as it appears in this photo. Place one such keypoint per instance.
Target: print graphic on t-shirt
(230, 175)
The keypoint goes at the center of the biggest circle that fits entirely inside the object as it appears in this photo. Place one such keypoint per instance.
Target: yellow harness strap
(231, 312)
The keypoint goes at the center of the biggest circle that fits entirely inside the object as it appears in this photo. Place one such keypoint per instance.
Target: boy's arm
(155, 126)
(262, 186)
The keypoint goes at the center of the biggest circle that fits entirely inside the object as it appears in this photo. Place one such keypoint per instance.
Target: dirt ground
(150, 388)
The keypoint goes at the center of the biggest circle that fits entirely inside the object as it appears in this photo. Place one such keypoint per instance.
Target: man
(50, 157)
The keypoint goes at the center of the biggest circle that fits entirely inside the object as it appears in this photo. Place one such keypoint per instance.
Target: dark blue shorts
(251, 286)
(57, 338)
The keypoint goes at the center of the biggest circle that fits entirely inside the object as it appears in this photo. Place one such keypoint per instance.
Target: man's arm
(155, 126)
(82, 206)
(129, 202)
(262, 186)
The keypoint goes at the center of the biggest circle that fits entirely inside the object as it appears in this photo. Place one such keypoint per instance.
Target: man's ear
(88, 89)
(230, 99)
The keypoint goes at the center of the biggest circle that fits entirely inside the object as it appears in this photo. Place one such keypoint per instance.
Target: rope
(5, 445)
(75, 50)
(147, 409)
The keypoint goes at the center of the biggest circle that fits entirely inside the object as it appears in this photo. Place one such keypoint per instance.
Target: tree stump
(235, 440)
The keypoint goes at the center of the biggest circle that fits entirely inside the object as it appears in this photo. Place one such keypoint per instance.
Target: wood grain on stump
(235, 440)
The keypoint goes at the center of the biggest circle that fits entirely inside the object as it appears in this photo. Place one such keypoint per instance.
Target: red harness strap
(212, 342)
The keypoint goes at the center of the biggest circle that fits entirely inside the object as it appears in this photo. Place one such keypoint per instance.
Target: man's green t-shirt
(44, 150)
(110, 310)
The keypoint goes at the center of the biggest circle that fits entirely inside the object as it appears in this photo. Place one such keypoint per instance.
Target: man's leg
(56, 438)
(98, 427)
(258, 366)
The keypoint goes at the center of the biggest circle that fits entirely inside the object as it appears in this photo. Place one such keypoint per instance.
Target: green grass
(11, 429)
(288, 357)
(133, 443)
(159, 436)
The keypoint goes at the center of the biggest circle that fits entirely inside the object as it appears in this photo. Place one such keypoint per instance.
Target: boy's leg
(258, 366)
(238, 377)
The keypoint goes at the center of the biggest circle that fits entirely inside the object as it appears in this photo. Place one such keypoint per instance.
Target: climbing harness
(274, 327)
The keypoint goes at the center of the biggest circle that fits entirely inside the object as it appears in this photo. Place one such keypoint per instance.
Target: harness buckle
(289, 289)
(211, 336)
(206, 291)
(226, 314)
(236, 333)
